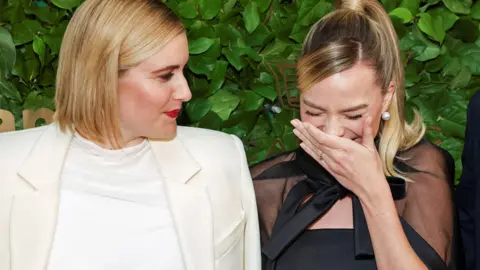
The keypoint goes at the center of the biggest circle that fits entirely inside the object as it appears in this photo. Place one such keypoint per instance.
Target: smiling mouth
(173, 114)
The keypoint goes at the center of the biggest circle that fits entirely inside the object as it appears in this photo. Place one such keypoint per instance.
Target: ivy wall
(241, 68)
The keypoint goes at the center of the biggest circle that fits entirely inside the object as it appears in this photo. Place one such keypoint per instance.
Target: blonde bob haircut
(104, 39)
(361, 31)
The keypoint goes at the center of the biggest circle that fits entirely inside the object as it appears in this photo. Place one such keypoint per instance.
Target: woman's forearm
(390, 244)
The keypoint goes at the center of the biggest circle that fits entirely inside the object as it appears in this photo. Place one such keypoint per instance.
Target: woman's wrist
(377, 198)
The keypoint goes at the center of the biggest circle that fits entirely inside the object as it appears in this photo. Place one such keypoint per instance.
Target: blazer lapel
(189, 203)
(34, 209)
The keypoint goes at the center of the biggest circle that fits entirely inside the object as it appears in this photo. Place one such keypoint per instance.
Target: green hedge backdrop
(243, 52)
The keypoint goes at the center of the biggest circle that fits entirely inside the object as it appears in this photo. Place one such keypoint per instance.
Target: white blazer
(209, 189)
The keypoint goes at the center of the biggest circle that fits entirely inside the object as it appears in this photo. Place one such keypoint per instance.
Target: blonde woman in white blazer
(113, 183)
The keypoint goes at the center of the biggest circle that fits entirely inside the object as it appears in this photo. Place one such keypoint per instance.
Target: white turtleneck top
(113, 212)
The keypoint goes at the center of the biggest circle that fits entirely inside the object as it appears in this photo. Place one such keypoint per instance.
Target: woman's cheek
(159, 96)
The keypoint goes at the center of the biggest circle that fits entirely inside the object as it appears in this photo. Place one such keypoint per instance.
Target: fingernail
(302, 145)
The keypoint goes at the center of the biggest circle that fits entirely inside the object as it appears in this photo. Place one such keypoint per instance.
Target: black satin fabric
(294, 217)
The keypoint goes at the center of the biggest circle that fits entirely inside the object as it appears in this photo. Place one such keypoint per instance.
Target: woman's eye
(312, 114)
(355, 117)
(166, 77)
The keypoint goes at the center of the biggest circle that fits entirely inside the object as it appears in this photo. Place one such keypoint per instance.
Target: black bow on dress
(295, 216)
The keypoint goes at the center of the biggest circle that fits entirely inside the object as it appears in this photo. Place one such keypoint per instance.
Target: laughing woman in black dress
(365, 190)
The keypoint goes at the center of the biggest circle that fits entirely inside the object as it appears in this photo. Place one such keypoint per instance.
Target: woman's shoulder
(271, 164)
(201, 134)
(206, 139)
(211, 146)
(14, 141)
(427, 157)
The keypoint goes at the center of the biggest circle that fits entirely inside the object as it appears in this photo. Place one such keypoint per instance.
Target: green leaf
(200, 45)
(209, 8)
(198, 108)
(218, 75)
(452, 67)
(422, 48)
(436, 64)
(454, 147)
(476, 11)
(470, 57)
(229, 5)
(187, 10)
(40, 48)
(433, 27)
(66, 4)
(430, 52)
(445, 15)
(412, 73)
(389, 5)
(451, 129)
(25, 31)
(14, 12)
(54, 38)
(251, 17)
(33, 69)
(8, 90)
(46, 13)
(35, 101)
(411, 5)
(429, 4)
(462, 79)
(466, 30)
(265, 78)
(403, 14)
(198, 85)
(227, 33)
(276, 48)
(235, 58)
(266, 91)
(250, 101)
(201, 65)
(211, 121)
(259, 36)
(241, 121)
(309, 17)
(27, 65)
(263, 5)
(53, 42)
(458, 6)
(200, 29)
(7, 53)
(223, 103)
(260, 130)
(305, 7)
(47, 78)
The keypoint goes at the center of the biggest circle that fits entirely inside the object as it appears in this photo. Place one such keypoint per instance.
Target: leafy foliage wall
(243, 52)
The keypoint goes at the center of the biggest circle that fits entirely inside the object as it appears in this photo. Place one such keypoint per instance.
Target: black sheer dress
(283, 183)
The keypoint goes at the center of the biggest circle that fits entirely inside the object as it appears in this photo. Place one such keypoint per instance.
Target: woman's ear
(387, 96)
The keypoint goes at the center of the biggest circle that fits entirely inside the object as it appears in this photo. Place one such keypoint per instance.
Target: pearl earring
(386, 116)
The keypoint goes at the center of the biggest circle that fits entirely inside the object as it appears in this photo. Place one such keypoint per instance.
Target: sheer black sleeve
(428, 206)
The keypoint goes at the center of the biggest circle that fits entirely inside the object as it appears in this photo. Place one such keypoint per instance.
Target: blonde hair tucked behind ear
(103, 39)
(361, 31)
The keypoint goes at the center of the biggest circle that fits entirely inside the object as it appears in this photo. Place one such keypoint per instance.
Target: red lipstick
(173, 113)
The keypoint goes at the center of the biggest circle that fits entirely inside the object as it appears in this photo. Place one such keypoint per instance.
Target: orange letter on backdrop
(8, 121)
(30, 117)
